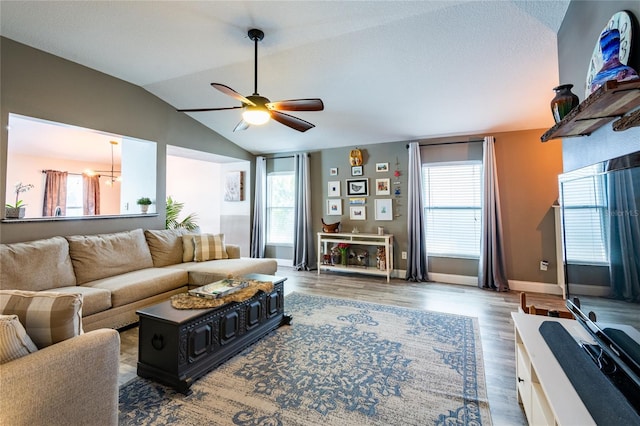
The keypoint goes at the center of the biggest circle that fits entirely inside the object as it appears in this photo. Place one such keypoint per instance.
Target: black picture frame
(358, 187)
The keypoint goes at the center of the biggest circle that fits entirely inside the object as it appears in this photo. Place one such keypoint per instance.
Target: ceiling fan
(258, 109)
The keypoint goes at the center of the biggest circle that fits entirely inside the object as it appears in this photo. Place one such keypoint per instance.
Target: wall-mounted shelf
(610, 101)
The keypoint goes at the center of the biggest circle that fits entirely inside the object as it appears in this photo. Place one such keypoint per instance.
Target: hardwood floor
(492, 309)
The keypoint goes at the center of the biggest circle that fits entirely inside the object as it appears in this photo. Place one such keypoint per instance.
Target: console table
(176, 346)
(330, 238)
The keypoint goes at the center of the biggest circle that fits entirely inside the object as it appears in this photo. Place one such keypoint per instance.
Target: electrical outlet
(544, 265)
(404, 255)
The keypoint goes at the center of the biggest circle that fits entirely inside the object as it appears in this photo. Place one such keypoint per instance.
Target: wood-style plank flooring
(493, 310)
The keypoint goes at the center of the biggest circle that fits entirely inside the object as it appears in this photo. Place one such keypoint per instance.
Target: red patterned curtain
(91, 193)
(55, 193)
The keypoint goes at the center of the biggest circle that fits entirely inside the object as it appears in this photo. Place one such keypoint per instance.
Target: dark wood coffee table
(178, 346)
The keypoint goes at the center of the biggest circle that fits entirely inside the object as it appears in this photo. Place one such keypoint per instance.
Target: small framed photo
(333, 189)
(357, 187)
(333, 171)
(358, 213)
(356, 170)
(384, 209)
(334, 207)
(357, 201)
(382, 167)
(383, 186)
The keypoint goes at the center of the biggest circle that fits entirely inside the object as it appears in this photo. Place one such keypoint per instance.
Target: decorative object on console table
(330, 227)
(344, 256)
(563, 102)
(17, 210)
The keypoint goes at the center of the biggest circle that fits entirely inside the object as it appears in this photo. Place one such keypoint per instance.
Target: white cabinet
(326, 240)
(545, 392)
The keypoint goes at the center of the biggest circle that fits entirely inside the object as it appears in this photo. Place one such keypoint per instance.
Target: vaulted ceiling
(386, 70)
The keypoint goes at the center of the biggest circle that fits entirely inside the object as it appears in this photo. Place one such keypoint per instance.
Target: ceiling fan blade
(229, 91)
(291, 121)
(242, 125)
(297, 105)
(207, 109)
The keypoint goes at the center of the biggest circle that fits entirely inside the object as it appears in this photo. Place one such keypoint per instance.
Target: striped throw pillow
(209, 247)
(48, 317)
(14, 341)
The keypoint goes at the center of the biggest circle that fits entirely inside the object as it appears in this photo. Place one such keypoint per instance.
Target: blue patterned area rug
(341, 362)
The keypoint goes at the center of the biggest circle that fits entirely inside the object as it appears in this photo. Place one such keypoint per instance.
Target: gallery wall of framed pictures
(359, 195)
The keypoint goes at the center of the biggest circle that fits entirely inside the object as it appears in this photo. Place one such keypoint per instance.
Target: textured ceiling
(386, 70)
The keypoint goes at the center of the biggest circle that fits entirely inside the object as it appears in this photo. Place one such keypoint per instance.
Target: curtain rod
(69, 173)
(285, 156)
(450, 143)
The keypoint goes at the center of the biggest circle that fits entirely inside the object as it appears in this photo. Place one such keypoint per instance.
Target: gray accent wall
(36, 84)
(578, 35)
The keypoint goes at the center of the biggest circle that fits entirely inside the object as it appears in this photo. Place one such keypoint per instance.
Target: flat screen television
(600, 210)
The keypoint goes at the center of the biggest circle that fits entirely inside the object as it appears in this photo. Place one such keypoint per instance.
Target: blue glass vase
(612, 68)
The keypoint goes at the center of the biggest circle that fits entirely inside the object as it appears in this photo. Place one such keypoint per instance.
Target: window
(280, 207)
(74, 195)
(452, 208)
(584, 208)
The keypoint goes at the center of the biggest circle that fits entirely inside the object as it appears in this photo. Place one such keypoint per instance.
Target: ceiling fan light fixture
(255, 115)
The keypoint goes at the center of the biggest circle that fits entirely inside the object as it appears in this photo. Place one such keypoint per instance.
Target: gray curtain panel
(492, 272)
(416, 236)
(91, 194)
(258, 235)
(304, 252)
(624, 235)
(55, 193)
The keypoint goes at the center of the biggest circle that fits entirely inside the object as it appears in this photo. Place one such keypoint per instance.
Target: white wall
(196, 184)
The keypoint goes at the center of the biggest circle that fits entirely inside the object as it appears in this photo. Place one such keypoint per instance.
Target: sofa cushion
(137, 285)
(105, 255)
(94, 300)
(36, 265)
(209, 247)
(14, 340)
(201, 273)
(48, 317)
(165, 245)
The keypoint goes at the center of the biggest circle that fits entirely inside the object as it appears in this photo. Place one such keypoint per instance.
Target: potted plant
(144, 203)
(17, 210)
(174, 209)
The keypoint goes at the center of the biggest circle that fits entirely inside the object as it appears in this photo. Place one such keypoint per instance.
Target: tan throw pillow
(48, 317)
(188, 248)
(14, 341)
(209, 247)
(165, 246)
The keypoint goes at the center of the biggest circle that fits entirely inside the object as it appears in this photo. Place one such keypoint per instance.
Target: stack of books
(219, 288)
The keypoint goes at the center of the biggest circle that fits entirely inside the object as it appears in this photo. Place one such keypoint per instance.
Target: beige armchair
(73, 382)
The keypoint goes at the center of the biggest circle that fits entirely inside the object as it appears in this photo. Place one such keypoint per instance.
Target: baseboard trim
(589, 290)
(535, 287)
(453, 279)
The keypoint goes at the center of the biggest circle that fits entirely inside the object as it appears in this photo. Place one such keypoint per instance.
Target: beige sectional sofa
(118, 273)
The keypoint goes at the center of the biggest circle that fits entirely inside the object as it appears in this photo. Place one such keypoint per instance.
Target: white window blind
(280, 205)
(584, 205)
(452, 208)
